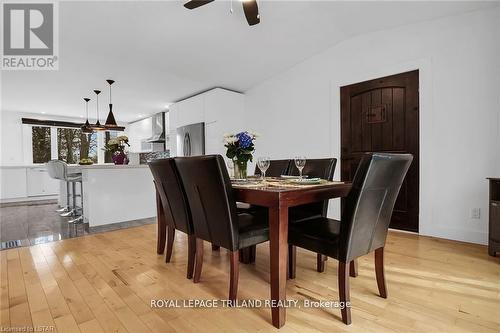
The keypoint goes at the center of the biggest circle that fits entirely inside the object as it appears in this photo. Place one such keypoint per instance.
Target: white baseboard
(30, 199)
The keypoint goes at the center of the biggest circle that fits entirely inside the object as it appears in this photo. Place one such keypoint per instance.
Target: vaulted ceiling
(159, 52)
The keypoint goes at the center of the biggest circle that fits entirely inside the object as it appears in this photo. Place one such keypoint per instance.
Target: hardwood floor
(105, 283)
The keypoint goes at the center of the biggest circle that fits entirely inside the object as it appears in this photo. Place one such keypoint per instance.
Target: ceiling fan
(250, 7)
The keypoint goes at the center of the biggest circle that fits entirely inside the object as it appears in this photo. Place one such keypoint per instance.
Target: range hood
(158, 128)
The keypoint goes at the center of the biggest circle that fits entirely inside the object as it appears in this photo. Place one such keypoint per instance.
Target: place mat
(248, 184)
(281, 183)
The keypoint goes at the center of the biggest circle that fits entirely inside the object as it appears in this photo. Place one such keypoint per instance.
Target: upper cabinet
(191, 110)
(221, 110)
(137, 132)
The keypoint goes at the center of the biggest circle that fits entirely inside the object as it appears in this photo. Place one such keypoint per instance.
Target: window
(69, 144)
(73, 145)
(41, 144)
(88, 147)
(107, 155)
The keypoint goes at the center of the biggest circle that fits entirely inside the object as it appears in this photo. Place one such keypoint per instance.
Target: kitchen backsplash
(145, 157)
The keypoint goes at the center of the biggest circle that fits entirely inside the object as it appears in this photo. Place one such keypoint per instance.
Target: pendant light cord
(97, 104)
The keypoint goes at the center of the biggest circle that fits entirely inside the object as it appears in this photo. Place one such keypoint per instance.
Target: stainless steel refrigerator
(191, 140)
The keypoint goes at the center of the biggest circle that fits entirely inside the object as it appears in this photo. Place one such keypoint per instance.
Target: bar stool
(59, 170)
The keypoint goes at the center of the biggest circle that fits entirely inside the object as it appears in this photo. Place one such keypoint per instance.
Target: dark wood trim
(320, 262)
(379, 272)
(233, 274)
(494, 217)
(161, 233)
(191, 255)
(170, 243)
(353, 268)
(278, 239)
(344, 292)
(58, 123)
(198, 261)
(292, 261)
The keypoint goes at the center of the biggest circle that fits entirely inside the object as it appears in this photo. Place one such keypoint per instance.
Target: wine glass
(300, 163)
(263, 164)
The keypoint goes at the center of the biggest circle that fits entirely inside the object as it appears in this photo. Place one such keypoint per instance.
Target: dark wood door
(381, 115)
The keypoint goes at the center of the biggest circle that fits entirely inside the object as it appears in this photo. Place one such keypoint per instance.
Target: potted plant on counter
(116, 146)
(240, 149)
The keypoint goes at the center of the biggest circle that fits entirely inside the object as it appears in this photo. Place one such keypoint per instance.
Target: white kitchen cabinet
(137, 132)
(172, 130)
(191, 110)
(13, 182)
(221, 110)
(224, 106)
(39, 182)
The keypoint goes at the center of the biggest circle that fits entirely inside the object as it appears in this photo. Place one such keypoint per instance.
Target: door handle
(187, 145)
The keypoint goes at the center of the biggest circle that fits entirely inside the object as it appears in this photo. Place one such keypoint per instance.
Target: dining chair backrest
(172, 196)
(276, 168)
(57, 169)
(210, 197)
(321, 168)
(369, 205)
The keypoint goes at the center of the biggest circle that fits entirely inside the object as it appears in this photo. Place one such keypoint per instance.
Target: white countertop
(108, 166)
(93, 166)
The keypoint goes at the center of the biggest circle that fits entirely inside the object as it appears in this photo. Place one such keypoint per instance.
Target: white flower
(254, 135)
(230, 139)
(227, 135)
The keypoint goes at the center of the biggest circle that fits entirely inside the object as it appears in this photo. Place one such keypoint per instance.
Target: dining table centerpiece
(240, 149)
(116, 146)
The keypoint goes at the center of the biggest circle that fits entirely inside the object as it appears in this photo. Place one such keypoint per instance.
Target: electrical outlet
(475, 213)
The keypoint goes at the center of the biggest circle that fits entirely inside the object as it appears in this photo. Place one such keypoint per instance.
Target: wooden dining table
(278, 198)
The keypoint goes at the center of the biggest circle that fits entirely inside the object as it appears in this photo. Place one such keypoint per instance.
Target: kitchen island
(114, 193)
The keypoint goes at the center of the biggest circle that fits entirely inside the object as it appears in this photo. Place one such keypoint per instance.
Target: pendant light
(86, 128)
(110, 120)
(97, 126)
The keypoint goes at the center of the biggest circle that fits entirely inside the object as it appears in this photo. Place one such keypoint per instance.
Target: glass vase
(240, 169)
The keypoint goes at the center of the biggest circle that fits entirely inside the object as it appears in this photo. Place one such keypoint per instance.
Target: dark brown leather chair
(276, 168)
(172, 209)
(364, 224)
(213, 208)
(322, 168)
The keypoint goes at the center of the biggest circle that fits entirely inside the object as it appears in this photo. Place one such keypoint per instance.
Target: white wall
(298, 111)
(11, 139)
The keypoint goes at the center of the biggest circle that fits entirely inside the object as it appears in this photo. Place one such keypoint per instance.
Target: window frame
(54, 153)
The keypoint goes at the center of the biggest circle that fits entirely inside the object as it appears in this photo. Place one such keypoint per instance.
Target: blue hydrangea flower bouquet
(240, 149)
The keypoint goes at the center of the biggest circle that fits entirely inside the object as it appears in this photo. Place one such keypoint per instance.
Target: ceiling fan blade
(196, 3)
(251, 10)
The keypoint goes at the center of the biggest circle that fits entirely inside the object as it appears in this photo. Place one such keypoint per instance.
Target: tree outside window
(72, 145)
(41, 144)
(108, 158)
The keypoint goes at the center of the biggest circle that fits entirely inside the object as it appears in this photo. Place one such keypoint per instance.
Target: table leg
(278, 234)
